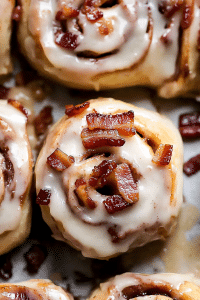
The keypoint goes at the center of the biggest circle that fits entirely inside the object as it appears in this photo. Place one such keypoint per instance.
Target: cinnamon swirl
(109, 177)
(15, 175)
(103, 44)
(166, 286)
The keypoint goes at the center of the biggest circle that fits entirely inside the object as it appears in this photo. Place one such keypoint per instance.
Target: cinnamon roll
(166, 286)
(103, 44)
(15, 175)
(6, 8)
(109, 177)
(33, 289)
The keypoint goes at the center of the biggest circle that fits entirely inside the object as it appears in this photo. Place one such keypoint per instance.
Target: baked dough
(15, 177)
(99, 233)
(164, 286)
(95, 45)
(39, 289)
(6, 8)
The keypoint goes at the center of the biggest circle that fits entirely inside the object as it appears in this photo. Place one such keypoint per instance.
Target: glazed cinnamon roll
(33, 289)
(103, 44)
(166, 286)
(6, 8)
(15, 175)
(109, 177)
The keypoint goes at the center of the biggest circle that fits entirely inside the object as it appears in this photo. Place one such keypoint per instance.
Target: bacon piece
(19, 106)
(100, 173)
(43, 120)
(99, 138)
(189, 125)
(126, 184)
(93, 14)
(60, 160)
(66, 40)
(192, 166)
(17, 13)
(71, 110)
(123, 122)
(43, 197)
(81, 191)
(66, 12)
(105, 26)
(163, 154)
(4, 92)
(115, 204)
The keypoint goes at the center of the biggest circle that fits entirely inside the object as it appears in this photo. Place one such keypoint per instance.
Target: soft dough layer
(35, 289)
(15, 180)
(103, 44)
(89, 227)
(6, 8)
(164, 286)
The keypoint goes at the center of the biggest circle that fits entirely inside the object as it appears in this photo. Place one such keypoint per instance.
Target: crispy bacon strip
(71, 110)
(19, 106)
(81, 191)
(126, 184)
(163, 155)
(60, 160)
(43, 120)
(115, 204)
(43, 197)
(123, 122)
(189, 125)
(99, 138)
(100, 173)
(192, 166)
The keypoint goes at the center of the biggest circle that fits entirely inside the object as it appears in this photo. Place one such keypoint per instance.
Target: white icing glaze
(154, 185)
(13, 135)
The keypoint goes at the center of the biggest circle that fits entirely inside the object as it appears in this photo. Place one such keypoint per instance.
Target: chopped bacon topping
(4, 92)
(192, 166)
(115, 204)
(66, 40)
(19, 106)
(71, 110)
(163, 155)
(100, 173)
(43, 197)
(17, 13)
(105, 26)
(60, 160)
(187, 16)
(81, 191)
(93, 14)
(99, 138)
(43, 120)
(66, 12)
(189, 125)
(123, 122)
(126, 184)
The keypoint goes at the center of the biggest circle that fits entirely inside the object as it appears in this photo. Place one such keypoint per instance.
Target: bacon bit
(17, 13)
(81, 192)
(189, 125)
(192, 166)
(43, 120)
(66, 12)
(92, 139)
(43, 197)
(163, 155)
(100, 173)
(60, 160)
(71, 110)
(169, 8)
(4, 92)
(8, 171)
(112, 230)
(123, 122)
(18, 106)
(66, 40)
(105, 26)
(126, 184)
(93, 14)
(115, 204)
(187, 16)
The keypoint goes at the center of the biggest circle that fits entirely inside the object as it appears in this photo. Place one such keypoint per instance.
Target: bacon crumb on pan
(192, 166)
(189, 125)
